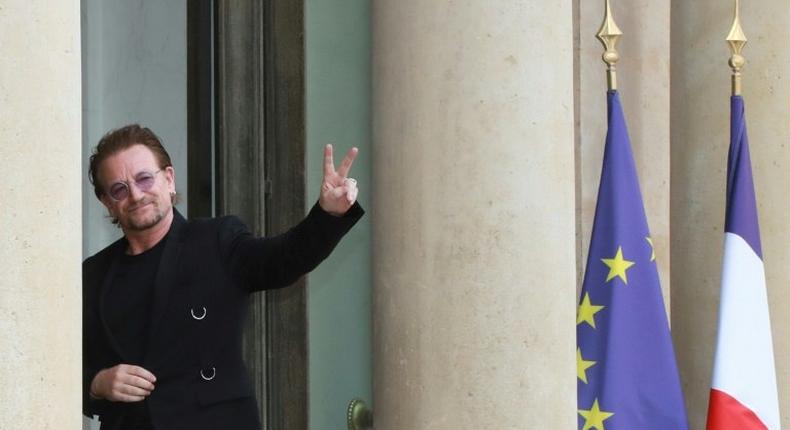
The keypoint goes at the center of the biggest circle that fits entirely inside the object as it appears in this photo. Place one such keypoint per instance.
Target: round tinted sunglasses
(143, 181)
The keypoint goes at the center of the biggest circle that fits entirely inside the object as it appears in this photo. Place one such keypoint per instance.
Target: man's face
(134, 168)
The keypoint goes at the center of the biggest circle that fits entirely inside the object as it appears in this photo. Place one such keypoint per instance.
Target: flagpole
(736, 39)
(608, 35)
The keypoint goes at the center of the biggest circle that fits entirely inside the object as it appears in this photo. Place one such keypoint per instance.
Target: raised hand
(338, 191)
(123, 383)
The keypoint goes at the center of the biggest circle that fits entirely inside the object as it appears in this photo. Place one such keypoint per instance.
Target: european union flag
(625, 363)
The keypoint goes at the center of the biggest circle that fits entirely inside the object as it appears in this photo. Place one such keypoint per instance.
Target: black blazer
(201, 294)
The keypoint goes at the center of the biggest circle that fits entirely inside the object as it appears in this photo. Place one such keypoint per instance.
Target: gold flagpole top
(608, 35)
(736, 39)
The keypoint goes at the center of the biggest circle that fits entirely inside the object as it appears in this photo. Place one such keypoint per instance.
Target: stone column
(700, 140)
(473, 215)
(40, 215)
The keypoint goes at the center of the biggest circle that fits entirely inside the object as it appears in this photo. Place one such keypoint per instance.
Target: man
(164, 306)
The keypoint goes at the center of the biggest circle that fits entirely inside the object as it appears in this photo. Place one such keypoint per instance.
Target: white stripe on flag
(744, 362)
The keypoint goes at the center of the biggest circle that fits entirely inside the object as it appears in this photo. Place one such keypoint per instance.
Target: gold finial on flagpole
(736, 39)
(608, 35)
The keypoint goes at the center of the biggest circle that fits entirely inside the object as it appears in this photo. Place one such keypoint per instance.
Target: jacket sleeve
(278, 261)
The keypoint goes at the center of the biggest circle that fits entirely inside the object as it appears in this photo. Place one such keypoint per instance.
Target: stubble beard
(134, 224)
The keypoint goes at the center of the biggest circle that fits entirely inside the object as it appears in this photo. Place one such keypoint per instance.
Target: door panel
(260, 177)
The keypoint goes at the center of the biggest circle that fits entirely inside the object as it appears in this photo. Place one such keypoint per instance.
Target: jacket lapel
(166, 276)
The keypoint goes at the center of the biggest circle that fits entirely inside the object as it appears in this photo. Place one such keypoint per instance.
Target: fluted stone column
(40, 249)
(473, 215)
(700, 139)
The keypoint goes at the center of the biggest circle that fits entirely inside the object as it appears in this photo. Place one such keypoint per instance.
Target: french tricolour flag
(743, 395)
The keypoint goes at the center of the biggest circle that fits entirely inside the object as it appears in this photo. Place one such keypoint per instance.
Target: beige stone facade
(40, 215)
(474, 243)
(488, 129)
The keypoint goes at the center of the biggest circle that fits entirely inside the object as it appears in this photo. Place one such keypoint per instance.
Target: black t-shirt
(130, 300)
(129, 304)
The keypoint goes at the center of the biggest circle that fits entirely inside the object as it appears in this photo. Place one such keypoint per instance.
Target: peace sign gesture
(338, 191)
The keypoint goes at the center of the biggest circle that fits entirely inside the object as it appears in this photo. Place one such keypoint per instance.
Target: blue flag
(626, 372)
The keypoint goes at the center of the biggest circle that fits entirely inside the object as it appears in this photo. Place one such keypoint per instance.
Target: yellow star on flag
(617, 266)
(652, 250)
(587, 311)
(582, 365)
(594, 417)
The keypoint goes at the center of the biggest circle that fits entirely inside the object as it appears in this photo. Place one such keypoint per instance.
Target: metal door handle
(359, 416)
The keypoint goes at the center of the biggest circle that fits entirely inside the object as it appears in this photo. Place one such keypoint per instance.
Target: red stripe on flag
(727, 413)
